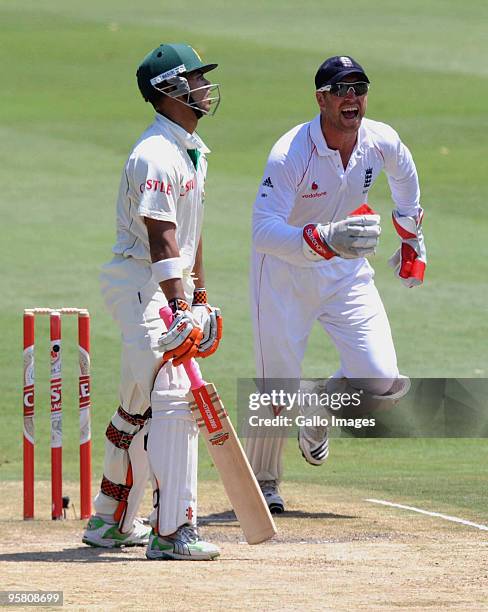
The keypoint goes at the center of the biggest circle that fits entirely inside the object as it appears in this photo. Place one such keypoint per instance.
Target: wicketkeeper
(157, 262)
(312, 234)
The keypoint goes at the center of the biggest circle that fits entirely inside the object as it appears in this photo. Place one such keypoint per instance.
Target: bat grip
(191, 367)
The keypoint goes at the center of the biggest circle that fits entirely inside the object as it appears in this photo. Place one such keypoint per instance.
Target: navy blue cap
(336, 68)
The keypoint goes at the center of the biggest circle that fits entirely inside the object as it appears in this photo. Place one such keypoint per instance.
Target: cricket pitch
(333, 551)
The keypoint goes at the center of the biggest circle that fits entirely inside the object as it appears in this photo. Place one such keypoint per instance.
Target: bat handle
(191, 367)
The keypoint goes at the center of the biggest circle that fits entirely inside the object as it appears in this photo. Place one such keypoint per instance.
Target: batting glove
(210, 320)
(410, 259)
(184, 335)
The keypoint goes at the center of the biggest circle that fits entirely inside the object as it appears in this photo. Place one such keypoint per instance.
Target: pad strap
(120, 439)
(134, 419)
(119, 492)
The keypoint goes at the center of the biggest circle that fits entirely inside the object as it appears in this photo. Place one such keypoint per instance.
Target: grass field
(71, 111)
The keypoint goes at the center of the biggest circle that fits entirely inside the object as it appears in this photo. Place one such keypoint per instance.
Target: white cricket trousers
(133, 298)
(286, 300)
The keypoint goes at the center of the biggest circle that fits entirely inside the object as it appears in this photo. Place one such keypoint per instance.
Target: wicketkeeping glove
(410, 259)
(184, 335)
(210, 320)
(355, 236)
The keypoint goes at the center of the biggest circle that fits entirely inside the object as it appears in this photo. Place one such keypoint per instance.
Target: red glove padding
(410, 259)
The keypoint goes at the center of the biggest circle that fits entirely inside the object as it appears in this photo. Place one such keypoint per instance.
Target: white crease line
(446, 517)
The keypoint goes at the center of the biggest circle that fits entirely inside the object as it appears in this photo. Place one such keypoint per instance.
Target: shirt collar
(319, 140)
(187, 141)
(318, 137)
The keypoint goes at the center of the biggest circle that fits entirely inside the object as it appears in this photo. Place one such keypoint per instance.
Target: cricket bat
(227, 453)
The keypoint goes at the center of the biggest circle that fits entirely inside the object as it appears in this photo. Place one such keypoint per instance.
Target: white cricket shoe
(272, 496)
(101, 533)
(314, 443)
(184, 545)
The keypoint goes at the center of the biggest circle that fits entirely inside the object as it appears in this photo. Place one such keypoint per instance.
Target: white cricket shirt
(305, 182)
(160, 181)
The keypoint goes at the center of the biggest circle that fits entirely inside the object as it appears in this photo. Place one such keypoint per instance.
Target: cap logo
(168, 74)
(346, 62)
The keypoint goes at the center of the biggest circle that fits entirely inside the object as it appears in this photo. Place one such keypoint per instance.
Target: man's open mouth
(350, 112)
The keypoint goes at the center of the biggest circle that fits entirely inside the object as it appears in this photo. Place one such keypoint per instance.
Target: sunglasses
(342, 89)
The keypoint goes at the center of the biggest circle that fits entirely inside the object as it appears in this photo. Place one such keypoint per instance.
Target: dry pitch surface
(333, 551)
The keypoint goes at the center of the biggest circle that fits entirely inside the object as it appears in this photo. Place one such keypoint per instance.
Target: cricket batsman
(312, 234)
(158, 261)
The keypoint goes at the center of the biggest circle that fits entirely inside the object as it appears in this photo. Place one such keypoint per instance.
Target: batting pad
(172, 450)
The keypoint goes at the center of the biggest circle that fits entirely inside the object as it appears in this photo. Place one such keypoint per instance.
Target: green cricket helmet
(164, 70)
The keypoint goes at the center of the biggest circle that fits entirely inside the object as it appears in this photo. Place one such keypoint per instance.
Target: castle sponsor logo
(56, 395)
(188, 186)
(28, 400)
(155, 185)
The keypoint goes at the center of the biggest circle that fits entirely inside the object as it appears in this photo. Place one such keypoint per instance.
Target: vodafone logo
(156, 185)
(316, 194)
(314, 186)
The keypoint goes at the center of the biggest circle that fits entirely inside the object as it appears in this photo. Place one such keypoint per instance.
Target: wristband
(199, 296)
(164, 269)
(317, 246)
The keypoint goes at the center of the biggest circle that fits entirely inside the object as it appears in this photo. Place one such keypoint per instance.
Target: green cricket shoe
(184, 545)
(101, 533)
